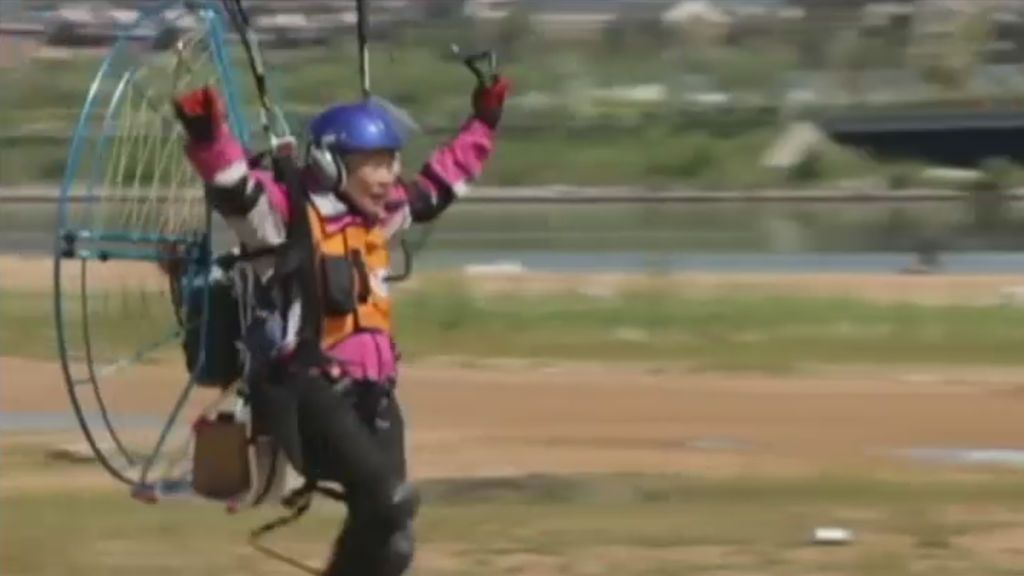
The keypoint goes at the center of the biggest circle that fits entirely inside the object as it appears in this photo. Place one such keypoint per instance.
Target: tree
(823, 22)
(949, 58)
(988, 197)
(852, 54)
(444, 9)
(514, 32)
(640, 33)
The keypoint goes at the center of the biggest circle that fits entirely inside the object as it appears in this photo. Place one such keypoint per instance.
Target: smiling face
(371, 175)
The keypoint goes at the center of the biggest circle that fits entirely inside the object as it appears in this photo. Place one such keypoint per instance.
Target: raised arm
(452, 167)
(252, 204)
(444, 177)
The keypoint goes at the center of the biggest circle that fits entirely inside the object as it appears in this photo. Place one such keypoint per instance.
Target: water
(40, 243)
(739, 262)
(976, 456)
(982, 262)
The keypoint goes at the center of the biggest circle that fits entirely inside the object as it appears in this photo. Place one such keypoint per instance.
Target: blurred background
(706, 133)
(738, 270)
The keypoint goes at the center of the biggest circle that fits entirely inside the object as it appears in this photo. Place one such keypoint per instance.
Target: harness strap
(228, 261)
(299, 501)
(296, 261)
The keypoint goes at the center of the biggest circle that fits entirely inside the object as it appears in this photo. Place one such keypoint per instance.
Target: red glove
(489, 101)
(201, 113)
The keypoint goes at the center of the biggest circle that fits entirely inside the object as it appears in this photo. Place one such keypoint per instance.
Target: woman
(351, 433)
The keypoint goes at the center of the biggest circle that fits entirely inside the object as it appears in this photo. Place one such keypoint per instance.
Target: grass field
(657, 156)
(573, 525)
(654, 228)
(747, 327)
(537, 464)
(555, 129)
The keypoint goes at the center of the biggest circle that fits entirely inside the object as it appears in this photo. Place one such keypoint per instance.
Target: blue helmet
(347, 128)
(359, 127)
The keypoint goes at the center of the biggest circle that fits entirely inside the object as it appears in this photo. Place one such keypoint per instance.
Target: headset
(329, 169)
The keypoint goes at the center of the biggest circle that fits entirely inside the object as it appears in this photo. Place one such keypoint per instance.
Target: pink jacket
(255, 206)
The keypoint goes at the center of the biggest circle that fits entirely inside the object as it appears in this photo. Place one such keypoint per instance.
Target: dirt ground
(492, 417)
(472, 417)
(486, 418)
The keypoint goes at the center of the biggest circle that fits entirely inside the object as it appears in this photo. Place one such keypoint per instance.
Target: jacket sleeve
(252, 204)
(445, 177)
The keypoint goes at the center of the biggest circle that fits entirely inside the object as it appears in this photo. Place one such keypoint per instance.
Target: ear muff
(330, 170)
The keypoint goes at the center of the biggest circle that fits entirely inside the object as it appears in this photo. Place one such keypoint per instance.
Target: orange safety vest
(363, 290)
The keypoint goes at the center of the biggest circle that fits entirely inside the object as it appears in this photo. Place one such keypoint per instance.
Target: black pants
(355, 435)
